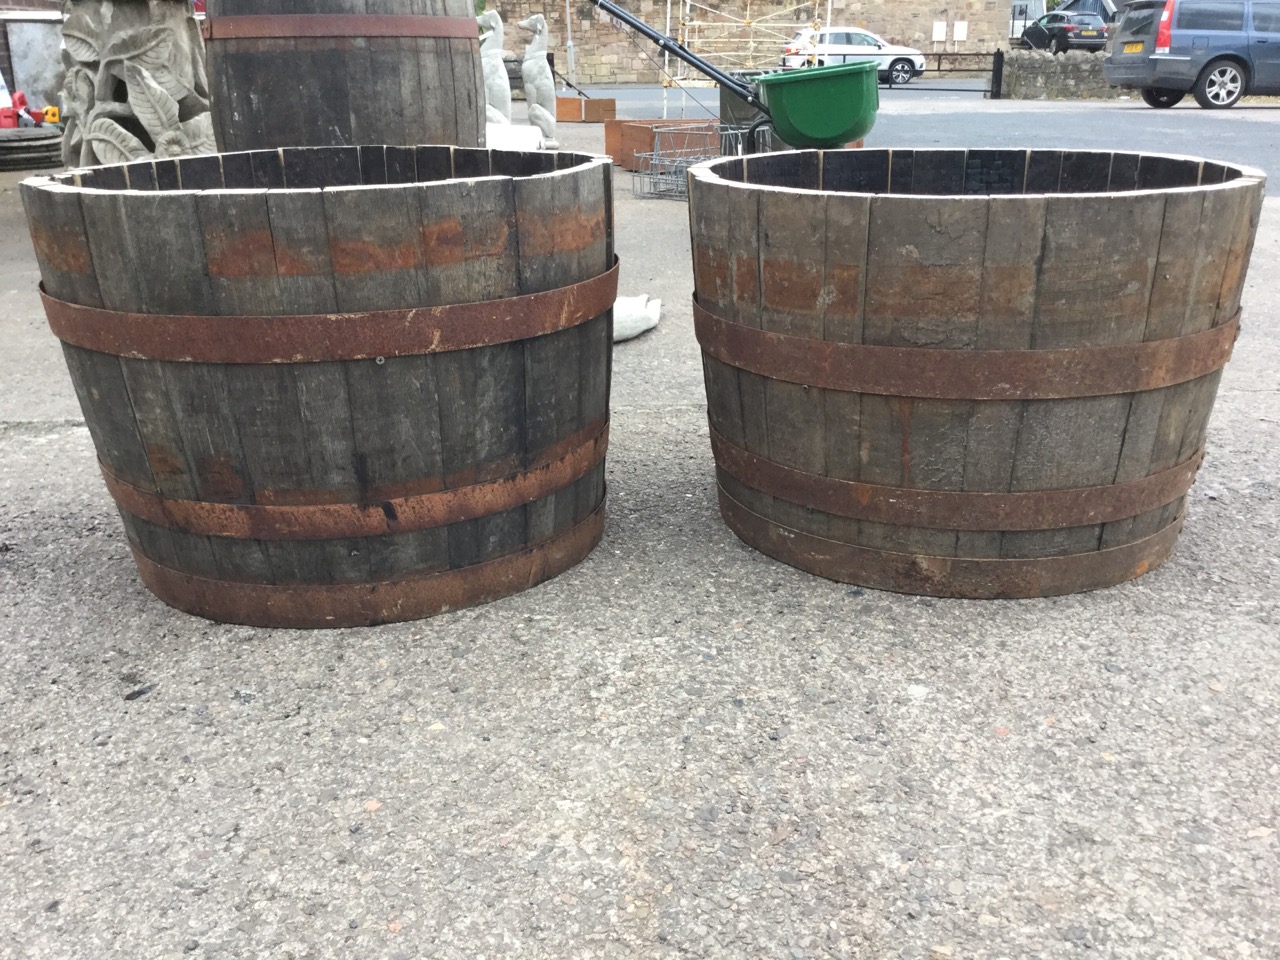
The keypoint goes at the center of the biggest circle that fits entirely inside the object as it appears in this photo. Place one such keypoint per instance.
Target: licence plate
(1133, 47)
(1088, 33)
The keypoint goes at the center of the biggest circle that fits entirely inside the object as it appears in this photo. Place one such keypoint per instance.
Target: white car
(831, 45)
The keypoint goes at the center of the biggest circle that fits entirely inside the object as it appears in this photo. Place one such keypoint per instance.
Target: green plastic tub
(822, 107)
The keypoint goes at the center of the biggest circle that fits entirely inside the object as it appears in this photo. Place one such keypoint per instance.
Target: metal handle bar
(741, 91)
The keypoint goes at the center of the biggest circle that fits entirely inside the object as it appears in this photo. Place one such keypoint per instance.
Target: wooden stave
(723, 210)
(375, 103)
(170, 473)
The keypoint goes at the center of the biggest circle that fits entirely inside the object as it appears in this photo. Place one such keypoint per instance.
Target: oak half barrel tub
(344, 72)
(982, 373)
(340, 386)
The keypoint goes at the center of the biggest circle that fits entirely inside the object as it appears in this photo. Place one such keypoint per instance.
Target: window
(1210, 15)
(1266, 17)
(862, 40)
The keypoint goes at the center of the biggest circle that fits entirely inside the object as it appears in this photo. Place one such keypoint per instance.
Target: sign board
(960, 31)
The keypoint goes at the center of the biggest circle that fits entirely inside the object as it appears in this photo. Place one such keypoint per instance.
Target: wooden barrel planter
(337, 75)
(340, 386)
(981, 373)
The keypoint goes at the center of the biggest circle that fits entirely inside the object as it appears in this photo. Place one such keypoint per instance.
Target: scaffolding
(733, 39)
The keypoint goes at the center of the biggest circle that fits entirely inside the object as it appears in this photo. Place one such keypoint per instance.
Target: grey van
(1219, 50)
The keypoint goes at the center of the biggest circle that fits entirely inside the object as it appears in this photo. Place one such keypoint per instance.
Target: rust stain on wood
(63, 249)
(165, 464)
(232, 255)
(367, 256)
(301, 261)
(448, 242)
(711, 274)
(746, 280)
(791, 286)
(569, 231)
(219, 478)
(844, 292)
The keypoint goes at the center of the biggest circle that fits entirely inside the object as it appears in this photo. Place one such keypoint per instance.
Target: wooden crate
(581, 110)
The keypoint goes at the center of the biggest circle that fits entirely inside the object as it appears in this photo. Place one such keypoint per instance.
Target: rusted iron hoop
(317, 338)
(326, 521)
(365, 604)
(289, 26)
(956, 509)
(971, 578)
(966, 374)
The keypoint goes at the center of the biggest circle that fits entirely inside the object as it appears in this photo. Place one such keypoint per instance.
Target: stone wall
(1040, 75)
(606, 53)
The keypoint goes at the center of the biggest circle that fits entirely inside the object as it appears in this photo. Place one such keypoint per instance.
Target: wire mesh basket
(661, 171)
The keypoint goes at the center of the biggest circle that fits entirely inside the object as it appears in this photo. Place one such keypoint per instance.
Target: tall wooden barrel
(340, 386)
(344, 72)
(981, 373)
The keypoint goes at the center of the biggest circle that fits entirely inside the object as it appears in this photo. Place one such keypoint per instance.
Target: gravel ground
(678, 749)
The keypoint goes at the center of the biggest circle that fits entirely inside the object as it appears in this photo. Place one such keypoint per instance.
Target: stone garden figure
(539, 85)
(497, 85)
(135, 84)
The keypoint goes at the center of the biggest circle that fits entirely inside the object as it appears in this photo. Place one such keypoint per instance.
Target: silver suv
(1219, 50)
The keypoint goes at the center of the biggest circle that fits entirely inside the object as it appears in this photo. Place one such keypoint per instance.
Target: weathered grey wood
(360, 90)
(1169, 314)
(709, 230)
(552, 401)
(847, 223)
(1083, 240)
(742, 253)
(342, 432)
(792, 279)
(1006, 311)
(925, 269)
(990, 271)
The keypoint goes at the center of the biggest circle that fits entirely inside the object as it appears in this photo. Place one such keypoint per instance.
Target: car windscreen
(1087, 20)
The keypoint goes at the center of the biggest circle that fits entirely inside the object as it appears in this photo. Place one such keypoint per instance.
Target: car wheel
(901, 71)
(1058, 44)
(1220, 85)
(1159, 97)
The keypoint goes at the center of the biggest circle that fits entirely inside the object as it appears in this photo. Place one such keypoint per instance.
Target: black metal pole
(678, 50)
(997, 74)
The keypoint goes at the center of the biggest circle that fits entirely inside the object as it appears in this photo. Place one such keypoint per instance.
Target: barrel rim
(69, 180)
(706, 173)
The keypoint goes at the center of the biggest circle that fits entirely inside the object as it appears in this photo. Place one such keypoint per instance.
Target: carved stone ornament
(539, 84)
(497, 85)
(135, 84)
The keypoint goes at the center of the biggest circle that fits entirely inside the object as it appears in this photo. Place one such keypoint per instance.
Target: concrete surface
(678, 749)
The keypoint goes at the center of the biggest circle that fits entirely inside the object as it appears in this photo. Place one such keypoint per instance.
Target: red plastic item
(37, 116)
(19, 101)
(8, 118)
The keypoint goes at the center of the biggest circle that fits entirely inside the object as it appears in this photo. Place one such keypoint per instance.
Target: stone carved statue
(539, 84)
(135, 84)
(497, 85)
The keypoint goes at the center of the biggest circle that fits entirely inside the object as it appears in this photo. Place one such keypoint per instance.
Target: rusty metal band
(966, 374)
(971, 578)
(956, 509)
(365, 604)
(316, 338)
(328, 521)
(290, 26)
